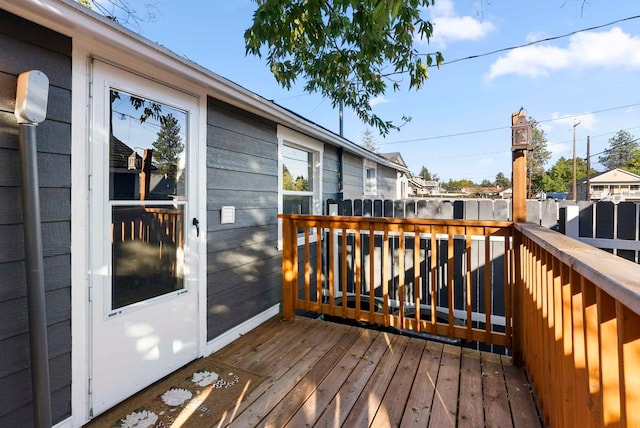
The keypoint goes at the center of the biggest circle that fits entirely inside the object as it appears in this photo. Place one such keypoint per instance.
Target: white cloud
(587, 121)
(449, 27)
(379, 100)
(559, 149)
(613, 48)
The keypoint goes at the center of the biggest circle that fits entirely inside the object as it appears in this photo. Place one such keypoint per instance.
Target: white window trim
(367, 164)
(401, 179)
(293, 138)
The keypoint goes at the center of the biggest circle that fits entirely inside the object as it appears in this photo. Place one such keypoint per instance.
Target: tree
(168, 147)
(123, 11)
(633, 164)
(621, 150)
(347, 50)
(558, 177)
(459, 184)
(369, 141)
(537, 158)
(427, 176)
(486, 183)
(300, 184)
(502, 181)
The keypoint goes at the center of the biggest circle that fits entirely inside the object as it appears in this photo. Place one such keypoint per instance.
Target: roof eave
(70, 18)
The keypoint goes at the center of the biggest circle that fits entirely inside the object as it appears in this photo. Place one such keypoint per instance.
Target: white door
(144, 297)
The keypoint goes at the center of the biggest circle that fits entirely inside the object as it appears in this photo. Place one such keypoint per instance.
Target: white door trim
(137, 342)
(80, 219)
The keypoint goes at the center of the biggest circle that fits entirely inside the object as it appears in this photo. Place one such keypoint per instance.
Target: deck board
(395, 399)
(445, 404)
(366, 406)
(470, 412)
(420, 401)
(497, 411)
(322, 374)
(337, 410)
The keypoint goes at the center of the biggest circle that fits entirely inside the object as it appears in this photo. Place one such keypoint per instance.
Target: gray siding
(25, 46)
(354, 181)
(330, 170)
(387, 179)
(353, 178)
(243, 264)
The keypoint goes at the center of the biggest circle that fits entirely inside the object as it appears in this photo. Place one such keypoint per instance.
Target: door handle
(196, 223)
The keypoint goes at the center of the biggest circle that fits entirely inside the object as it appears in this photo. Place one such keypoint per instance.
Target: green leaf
(347, 50)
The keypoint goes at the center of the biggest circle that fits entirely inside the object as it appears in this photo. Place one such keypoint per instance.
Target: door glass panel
(147, 252)
(146, 164)
(146, 149)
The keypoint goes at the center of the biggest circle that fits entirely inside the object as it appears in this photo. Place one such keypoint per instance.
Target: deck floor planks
(394, 401)
(298, 358)
(365, 408)
(324, 374)
(320, 394)
(496, 401)
(420, 402)
(264, 333)
(523, 409)
(445, 403)
(328, 352)
(343, 401)
(470, 411)
(270, 350)
(281, 414)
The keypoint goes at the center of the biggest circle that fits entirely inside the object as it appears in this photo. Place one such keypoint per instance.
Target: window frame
(368, 165)
(291, 138)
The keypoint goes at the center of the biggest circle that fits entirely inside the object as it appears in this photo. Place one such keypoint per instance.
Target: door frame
(81, 173)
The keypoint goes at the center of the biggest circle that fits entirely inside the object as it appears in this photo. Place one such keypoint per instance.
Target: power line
(547, 39)
(479, 131)
(510, 48)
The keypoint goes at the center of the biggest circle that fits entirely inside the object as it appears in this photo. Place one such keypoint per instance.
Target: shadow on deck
(325, 374)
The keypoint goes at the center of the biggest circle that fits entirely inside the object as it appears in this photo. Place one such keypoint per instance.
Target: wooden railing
(577, 329)
(571, 312)
(447, 277)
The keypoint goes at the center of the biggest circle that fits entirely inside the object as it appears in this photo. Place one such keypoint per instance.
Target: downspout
(31, 108)
(340, 173)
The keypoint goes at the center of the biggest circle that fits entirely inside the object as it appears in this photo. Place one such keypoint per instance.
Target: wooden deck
(325, 374)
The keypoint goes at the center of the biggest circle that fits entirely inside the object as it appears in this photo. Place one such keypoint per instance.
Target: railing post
(520, 144)
(289, 270)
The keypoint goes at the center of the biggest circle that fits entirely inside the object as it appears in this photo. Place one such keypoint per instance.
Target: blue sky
(558, 82)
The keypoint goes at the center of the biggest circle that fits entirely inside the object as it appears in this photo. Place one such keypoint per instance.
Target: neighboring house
(481, 192)
(422, 188)
(506, 193)
(614, 185)
(150, 261)
(403, 177)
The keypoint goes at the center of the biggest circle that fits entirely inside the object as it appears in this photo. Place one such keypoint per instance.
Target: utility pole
(341, 116)
(575, 196)
(588, 168)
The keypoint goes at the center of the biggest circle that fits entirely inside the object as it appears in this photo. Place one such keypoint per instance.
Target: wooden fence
(613, 227)
(605, 225)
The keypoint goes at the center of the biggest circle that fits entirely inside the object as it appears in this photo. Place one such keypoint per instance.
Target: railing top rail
(393, 220)
(618, 277)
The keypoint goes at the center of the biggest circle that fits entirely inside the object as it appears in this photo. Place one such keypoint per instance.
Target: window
(370, 175)
(299, 175)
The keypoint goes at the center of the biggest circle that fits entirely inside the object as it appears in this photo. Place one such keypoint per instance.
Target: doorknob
(196, 223)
